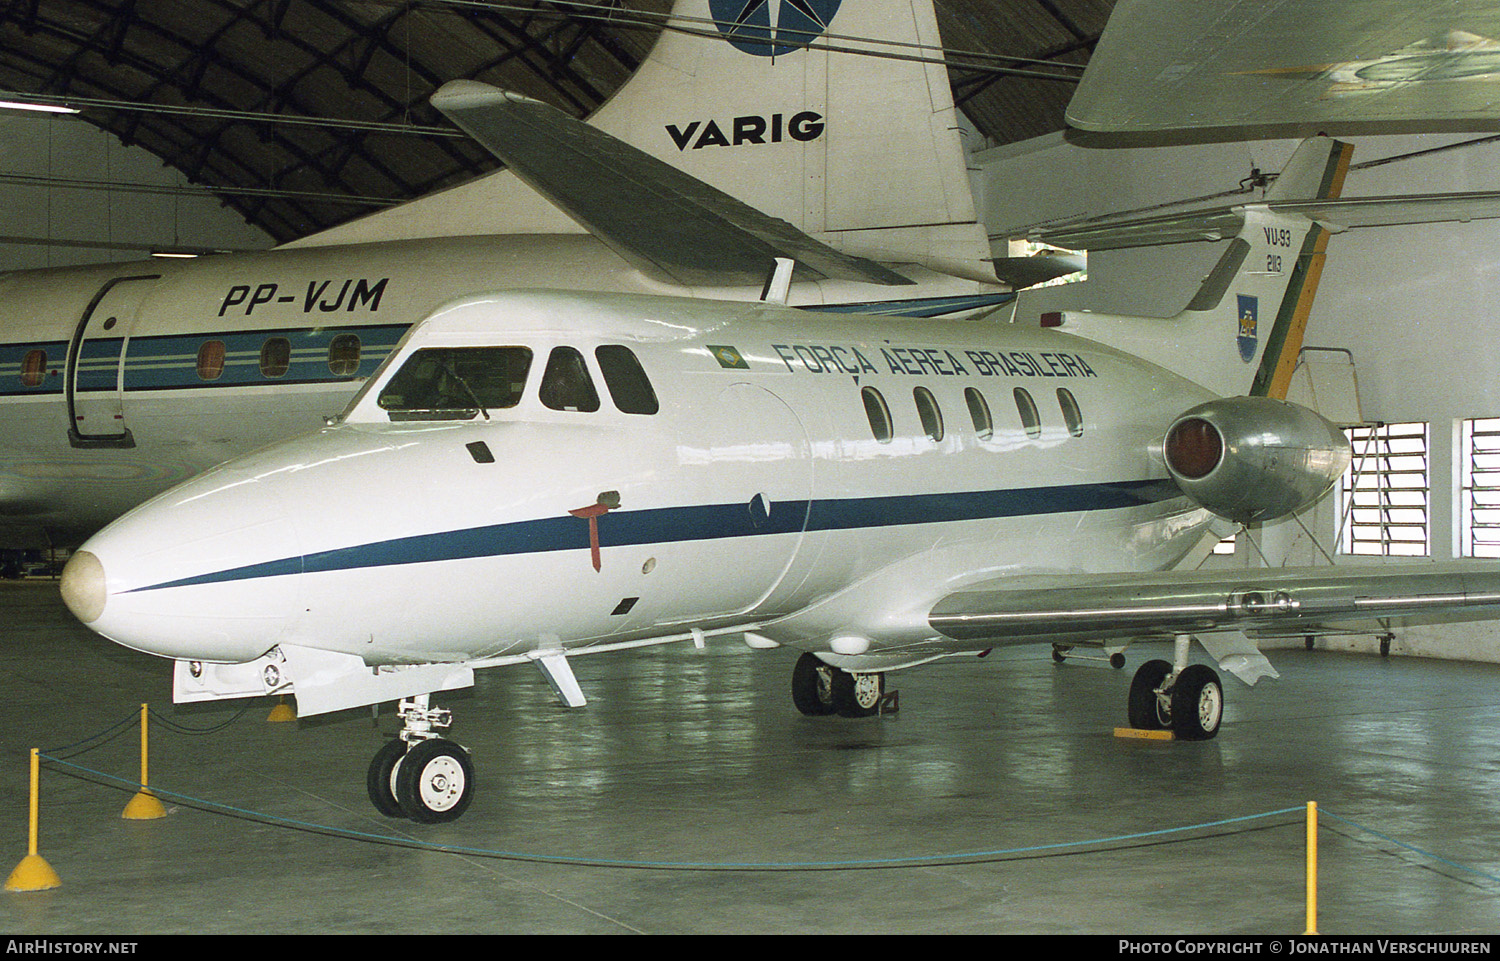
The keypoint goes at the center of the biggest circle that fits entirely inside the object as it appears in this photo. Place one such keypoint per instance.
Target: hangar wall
(44, 222)
(1418, 306)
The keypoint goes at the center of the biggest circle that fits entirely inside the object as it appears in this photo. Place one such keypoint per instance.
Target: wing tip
(470, 94)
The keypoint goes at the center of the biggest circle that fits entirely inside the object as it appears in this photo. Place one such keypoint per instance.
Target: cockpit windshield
(456, 383)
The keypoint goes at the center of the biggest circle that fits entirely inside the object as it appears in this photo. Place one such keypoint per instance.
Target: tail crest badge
(1247, 339)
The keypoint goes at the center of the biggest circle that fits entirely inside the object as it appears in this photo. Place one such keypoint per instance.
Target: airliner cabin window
(33, 368)
(927, 411)
(878, 413)
(628, 385)
(1030, 419)
(566, 384)
(211, 360)
(1072, 416)
(343, 355)
(456, 383)
(979, 412)
(275, 357)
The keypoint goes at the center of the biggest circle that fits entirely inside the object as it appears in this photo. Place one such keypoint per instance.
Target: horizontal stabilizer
(666, 223)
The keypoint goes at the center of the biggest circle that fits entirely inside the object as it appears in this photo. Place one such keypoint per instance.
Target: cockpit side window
(456, 383)
(566, 384)
(628, 385)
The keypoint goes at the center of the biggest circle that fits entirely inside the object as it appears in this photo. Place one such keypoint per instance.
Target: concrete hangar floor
(690, 797)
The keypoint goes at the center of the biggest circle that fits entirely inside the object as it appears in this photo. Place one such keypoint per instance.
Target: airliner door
(95, 375)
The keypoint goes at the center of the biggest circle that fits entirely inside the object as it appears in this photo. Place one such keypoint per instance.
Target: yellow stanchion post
(1312, 868)
(33, 873)
(144, 806)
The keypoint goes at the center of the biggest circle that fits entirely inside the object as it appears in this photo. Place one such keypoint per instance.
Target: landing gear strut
(820, 689)
(1186, 698)
(419, 775)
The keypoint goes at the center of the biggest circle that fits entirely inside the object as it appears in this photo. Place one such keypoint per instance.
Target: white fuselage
(756, 497)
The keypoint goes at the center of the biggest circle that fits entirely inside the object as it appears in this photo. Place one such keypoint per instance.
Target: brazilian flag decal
(727, 357)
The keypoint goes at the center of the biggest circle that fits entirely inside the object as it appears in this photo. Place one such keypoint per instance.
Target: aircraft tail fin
(1242, 331)
(834, 116)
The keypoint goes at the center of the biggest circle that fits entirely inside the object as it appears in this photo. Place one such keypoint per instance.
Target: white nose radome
(82, 587)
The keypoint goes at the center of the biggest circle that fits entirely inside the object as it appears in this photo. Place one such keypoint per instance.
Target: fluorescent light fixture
(39, 107)
(177, 254)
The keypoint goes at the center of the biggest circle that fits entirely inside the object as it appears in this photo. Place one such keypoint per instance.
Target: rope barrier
(1415, 850)
(970, 857)
(1181, 834)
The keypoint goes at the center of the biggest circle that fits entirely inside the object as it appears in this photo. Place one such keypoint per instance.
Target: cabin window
(628, 385)
(928, 413)
(979, 412)
(456, 383)
(33, 368)
(566, 384)
(211, 360)
(343, 355)
(1072, 416)
(275, 357)
(1030, 419)
(878, 413)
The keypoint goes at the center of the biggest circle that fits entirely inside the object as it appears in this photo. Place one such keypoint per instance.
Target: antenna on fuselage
(779, 282)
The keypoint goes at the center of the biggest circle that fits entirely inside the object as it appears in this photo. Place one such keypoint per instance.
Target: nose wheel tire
(434, 781)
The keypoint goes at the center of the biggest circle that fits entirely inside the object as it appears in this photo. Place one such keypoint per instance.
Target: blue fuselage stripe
(667, 525)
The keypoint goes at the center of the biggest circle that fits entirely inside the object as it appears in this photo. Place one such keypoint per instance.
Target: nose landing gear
(419, 775)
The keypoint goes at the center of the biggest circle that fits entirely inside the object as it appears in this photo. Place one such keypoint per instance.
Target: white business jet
(537, 474)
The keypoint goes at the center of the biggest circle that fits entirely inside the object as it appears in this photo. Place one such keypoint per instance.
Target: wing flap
(1265, 602)
(665, 222)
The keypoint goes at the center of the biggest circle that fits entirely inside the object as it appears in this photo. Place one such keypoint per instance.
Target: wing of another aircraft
(1266, 602)
(665, 222)
(1168, 65)
(1218, 223)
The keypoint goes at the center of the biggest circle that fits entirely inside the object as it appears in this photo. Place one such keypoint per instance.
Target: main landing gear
(1186, 699)
(820, 689)
(419, 775)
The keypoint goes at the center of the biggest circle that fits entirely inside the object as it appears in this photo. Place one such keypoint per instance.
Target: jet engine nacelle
(1254, 459)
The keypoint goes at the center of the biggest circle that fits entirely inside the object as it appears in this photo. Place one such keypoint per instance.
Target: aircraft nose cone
(82, 587)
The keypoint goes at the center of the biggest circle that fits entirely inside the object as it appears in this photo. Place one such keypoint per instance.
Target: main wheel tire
(435, 781)
(1197, 703)
(1144, 709)
(857, 695)
(380, 781)
(812, 686)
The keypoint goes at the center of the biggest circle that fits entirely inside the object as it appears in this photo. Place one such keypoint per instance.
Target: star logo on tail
(772, 28)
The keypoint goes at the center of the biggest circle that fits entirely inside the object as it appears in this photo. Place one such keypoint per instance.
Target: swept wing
(666, 223)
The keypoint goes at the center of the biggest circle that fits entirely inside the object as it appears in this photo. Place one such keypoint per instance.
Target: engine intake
(1253, 459)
